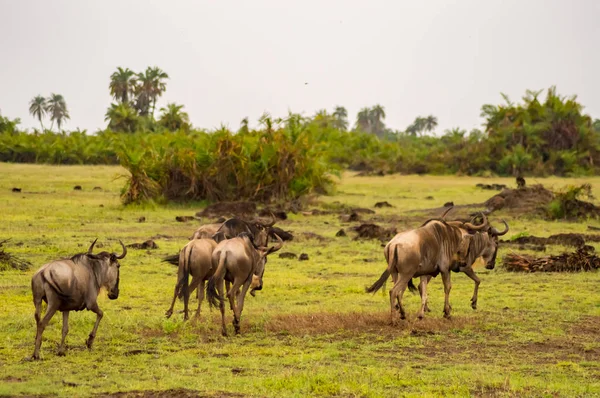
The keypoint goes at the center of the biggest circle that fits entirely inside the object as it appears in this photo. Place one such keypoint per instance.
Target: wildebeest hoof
(420, 317)
(61, 352)
(168, 314)
(89, 342)
(447, 315)
(34, 357)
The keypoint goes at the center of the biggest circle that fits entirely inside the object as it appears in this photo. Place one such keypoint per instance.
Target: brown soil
(374, 231)
(523, 200)
(284, 235)
(184, 218)
(229, 209)
(172, 393)
(12, 261)
(569, 239)
(583, 259)
(149, 244)
(288, 255)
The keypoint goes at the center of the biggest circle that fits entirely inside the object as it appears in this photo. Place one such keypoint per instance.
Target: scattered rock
(341, 232)
(352, 217)
(284, 235)
(16, 189)
(288, 255)
(77, 188)
(101, 206)
(303, 257)
(142, 219)
(379, 205)
(449, 204)
(429, 197)
(185, 218)
(149, 244)
(97, 189)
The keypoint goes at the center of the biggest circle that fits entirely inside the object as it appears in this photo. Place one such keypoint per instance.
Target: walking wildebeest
(246, 266)
(477, 244)
(73, 285)
(196, 259)
(427, 250)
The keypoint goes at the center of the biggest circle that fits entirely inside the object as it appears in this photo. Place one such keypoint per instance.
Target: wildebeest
(206, 231)
(195, 259)
(246, 266)
(427, 250)
(476, 244)
(73, 285)
(258, 231)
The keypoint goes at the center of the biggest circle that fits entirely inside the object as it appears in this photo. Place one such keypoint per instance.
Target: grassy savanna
(312, 330)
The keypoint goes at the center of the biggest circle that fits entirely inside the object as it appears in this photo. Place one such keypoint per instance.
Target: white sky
(229, 59)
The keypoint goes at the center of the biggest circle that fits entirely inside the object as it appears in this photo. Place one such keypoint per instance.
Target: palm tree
(363, 120)
(430, 123)
(377, 114)
(122, 117)
(122, 84)
(37, 108)
(244, 126)
(340, 115)
(173, 118)
(57, 108)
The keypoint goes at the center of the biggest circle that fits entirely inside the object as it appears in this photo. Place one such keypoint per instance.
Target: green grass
(311, 330)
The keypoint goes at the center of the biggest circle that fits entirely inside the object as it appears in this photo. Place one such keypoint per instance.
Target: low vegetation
(311, 331)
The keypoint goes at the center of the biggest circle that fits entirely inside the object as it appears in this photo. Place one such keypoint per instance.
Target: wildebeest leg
(99, 314)
(423, 291)
(237, 313)
(170, 310)
(427, 279)
(50, 311)
(222, 307)
(65, 330)
(399, 288)
(228, 288)
(232, 293)
(187, 294)
(200, 298)
(471, 274)
(447, 287)
(393, 306)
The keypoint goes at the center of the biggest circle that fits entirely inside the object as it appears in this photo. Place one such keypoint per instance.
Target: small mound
(523, 200)
(229, 209)
(149, 244)
(583, 259)
(284, 235)
(8, 261)
(569, 239)
(374, 231)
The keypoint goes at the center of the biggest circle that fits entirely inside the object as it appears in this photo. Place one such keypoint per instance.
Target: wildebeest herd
(230, 258)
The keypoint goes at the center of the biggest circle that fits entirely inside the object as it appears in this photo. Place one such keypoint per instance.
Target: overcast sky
(232, 59)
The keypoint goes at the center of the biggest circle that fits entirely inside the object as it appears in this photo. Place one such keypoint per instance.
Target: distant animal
(195, 259)
(73, 285)
(246, 266)
(520, 182)
(427, 250)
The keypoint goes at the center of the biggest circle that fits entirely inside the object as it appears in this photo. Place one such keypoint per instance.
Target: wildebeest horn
(495, 231)
(483, 225)
(446, 212)
(278, 246)
(124, 251)
(272, 222)
(92, 246)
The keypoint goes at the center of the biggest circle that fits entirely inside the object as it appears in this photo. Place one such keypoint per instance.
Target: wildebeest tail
(412, 287)
(212, 295)
(172, 259)
(380, 282)
(184, 263)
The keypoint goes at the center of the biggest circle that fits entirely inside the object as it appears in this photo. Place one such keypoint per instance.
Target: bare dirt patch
(172, 393)
(229, 209)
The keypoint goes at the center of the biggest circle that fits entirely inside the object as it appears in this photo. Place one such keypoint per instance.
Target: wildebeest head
(106, 269)
(480, 244)
(262, 231)
(259, 269)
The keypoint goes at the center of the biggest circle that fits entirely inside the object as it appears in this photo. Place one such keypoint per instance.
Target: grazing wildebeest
(476, 244)
(206, 231)
(427, 250)
(73, 285)
(258, 231)
(194, 259)
(245, 265)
